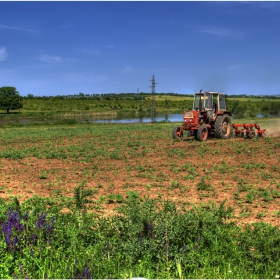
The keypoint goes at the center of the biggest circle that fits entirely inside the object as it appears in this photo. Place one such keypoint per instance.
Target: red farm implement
(248, 130)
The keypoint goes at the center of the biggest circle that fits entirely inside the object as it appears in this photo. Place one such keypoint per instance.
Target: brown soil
(163, 172)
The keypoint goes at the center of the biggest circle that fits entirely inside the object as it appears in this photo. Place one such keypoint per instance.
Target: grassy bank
(94, 108)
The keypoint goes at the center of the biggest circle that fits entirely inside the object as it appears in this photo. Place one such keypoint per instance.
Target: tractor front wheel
(177, 132)
(223, 127)
(202, 133)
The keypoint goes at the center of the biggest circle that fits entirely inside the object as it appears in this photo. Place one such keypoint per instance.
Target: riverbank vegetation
(132, 105)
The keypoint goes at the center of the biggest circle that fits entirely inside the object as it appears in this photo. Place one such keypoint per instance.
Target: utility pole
(153, 107)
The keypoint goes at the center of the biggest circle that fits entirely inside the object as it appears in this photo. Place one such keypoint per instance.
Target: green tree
(275, 108)
(239, 111)
(9, 99)
(30, 96)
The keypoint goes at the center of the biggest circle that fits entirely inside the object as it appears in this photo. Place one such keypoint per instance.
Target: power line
(153, 108)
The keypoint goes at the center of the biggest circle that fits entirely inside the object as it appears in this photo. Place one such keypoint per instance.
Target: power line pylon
(153, 107)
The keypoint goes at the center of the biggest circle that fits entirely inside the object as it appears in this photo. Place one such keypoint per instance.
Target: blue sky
(60, 48)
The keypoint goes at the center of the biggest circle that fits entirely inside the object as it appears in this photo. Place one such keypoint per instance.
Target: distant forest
(139, 96)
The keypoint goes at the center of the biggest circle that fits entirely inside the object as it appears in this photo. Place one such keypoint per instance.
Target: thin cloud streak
(49, 58)
(220, 31)
(18, 28)
(66, 26)
(127, 69)
(3, 54)
(92, 51)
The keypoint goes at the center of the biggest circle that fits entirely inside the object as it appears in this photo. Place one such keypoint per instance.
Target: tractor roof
(212, 92)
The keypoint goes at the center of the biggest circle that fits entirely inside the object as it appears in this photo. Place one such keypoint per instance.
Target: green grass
(149, 238)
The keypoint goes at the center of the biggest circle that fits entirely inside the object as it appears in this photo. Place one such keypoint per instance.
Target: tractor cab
(210, 103)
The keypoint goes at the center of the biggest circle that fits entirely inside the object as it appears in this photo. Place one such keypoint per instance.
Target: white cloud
(127, 69)
(66, 25)
(3, 54)
(92, 51)
(50, 58)
(221, 31)
(18, 28)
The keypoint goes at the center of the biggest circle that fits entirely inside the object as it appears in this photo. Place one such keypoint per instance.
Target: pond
(173, 118)
(159, 118)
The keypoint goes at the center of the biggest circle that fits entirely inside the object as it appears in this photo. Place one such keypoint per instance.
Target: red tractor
(209, 116)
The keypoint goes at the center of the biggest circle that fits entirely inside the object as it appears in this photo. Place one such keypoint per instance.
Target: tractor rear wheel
(202, 133)
(177, 132)
(223, 127)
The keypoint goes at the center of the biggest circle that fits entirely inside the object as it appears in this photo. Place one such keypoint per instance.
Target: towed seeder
(248, 130)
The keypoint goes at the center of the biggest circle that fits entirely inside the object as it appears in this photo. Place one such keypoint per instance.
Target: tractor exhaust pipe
(200, 102)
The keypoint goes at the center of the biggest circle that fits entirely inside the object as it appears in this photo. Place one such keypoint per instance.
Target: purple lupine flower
(150, 230)
(15, 241)
(183, 248)
(25, 216)
(41, 222)
(198, 242)
(86, 273)
(49, 229)
(7, 240)
(33, 238)
(13, 222)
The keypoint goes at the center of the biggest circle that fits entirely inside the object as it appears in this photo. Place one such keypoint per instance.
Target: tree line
(10, 99)
(137, 96)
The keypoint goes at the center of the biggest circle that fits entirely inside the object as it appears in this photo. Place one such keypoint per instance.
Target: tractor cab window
(222, 102)
(197, 98)
(208, 101)
(215, 102)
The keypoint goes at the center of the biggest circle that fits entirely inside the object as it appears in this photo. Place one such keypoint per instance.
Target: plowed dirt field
(116, 161)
